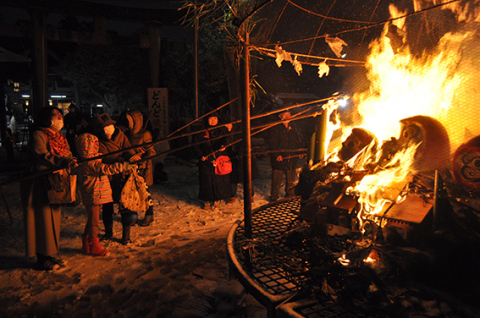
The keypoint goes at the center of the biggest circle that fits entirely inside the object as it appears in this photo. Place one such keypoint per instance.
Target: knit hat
(213, 114)
(87, 145)
(104, 120)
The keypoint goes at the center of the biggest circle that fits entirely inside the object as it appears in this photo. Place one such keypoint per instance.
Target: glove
(127, 166)
(69, 163)
(72, 163)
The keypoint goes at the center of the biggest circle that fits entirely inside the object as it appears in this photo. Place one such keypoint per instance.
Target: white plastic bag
(134, 195)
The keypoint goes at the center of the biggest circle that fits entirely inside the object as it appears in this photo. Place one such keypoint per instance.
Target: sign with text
(158, 110)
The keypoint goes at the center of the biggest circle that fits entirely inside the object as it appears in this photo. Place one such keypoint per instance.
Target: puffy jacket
(95, 185)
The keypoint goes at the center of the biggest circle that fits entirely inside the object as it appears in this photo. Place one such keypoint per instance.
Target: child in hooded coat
(95, 189)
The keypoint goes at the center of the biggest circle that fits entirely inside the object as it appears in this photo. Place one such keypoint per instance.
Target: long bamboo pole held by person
(153, 143)
(203, 116)
(258, 129)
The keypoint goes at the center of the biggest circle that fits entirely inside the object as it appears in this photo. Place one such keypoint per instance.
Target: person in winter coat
(95, 189)
(48, 150)
(283, 137)
(213, 187)
(113, 140)
(137, 135)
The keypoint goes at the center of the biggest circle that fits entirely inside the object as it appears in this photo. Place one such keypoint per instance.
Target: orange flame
(443, 85)
(402, 86)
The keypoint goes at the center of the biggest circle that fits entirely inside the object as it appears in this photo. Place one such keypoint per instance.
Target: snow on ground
(171, 269)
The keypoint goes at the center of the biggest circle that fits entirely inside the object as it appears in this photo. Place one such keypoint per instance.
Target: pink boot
(95, 249)
(85, 246)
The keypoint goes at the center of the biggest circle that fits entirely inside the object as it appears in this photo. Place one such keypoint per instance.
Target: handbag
(135, 196)
(63, 187)
(223, 165)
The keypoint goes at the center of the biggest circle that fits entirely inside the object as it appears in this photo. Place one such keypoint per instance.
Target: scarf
(58, 142)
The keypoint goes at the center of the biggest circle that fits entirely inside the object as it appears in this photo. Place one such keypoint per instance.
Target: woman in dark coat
(213, 187)
(48, 150)
(113, 140)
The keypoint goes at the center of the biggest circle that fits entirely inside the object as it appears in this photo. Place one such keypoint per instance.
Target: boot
(44, 263)
(107, 217)
(147, 220)
(85, 246)
(126, 235)
(95, 249)
(108, 234)
(129, 218)
(56, 259)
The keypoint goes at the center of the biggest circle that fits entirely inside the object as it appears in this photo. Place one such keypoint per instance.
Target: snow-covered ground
(172, 268)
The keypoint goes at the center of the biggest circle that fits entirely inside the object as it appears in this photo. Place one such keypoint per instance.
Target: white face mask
(109, 130)
(57, 124)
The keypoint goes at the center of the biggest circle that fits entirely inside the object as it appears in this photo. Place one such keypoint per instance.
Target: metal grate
(317, 310)
(266, 259)
(268, 226)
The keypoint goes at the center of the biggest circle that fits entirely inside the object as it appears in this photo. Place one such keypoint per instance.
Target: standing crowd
(101, 155)
(104, 153)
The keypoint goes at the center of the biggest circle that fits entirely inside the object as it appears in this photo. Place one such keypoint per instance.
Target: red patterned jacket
(95, 185)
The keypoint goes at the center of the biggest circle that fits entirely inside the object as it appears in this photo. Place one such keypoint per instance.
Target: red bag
(223, 165)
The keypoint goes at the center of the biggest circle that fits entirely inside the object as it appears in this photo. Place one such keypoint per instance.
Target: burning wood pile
(382, 246)
(385, 193)
(392, 216)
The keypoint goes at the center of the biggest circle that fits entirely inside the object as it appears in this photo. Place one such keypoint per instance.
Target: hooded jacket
(137, 135)
(95, 185)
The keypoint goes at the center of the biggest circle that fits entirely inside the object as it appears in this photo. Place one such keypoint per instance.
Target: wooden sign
(158, 110)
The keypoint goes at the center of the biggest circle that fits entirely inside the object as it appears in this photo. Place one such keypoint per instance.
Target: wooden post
(196, 68)
(154, 53)
(40, 91)
(247, 143)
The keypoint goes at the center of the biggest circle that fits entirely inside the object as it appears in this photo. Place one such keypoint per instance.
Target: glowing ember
(344, 260)
(372, 257)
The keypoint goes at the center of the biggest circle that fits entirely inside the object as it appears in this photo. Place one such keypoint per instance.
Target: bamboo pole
(203, 116)
(151, 144)
(171, 137)
(247, 142)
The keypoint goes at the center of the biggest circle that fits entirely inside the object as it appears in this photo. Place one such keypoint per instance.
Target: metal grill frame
(268, 283)
(266, 280)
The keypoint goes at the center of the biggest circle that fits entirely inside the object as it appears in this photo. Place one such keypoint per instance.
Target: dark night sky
(146, 4)
(10, 15)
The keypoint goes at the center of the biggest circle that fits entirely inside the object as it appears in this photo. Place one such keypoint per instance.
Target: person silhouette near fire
(284, 137)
